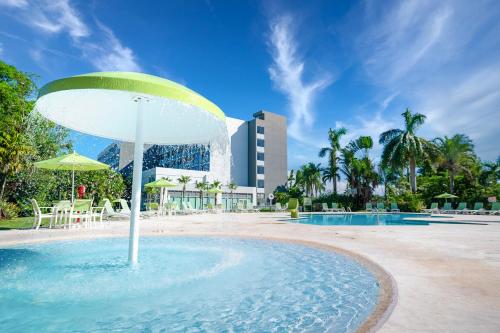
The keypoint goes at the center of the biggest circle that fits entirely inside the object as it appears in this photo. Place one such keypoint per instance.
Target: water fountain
(138, 108)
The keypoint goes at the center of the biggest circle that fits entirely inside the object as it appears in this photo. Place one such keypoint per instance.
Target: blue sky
(321, 63)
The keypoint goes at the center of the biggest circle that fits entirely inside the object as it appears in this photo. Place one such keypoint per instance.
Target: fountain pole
(135, 221)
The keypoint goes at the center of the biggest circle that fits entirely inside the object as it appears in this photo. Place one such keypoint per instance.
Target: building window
(260, 156)
(260, 170)
(260, 129)
(260, 143)
(260, 183)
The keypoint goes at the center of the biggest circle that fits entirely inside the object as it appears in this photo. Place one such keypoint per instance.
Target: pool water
(182, 284)
(359, 219)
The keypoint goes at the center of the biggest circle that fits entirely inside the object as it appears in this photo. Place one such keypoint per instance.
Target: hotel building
(257, 163)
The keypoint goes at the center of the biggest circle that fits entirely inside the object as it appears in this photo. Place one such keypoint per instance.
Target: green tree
(402, 147)
(490, 173)
(184, 180)
(232, 186)
(16, 103)
(310, 178)
(202, 186)
(332, 171)
(360, 172)
(456, 154)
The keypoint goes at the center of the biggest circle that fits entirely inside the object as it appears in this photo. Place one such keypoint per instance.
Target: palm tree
(490, 172)
(215, 185)
(232, 186)
(455, 154)
(201, 186)
(311, 178)
(402, 147)
(184, 180)
(363, 143)
(334, 136)
(359, 172)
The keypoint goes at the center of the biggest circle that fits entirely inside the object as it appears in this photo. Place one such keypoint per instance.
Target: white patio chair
(41, 213)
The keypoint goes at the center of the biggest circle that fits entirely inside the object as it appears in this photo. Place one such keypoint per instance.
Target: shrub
(8, 210)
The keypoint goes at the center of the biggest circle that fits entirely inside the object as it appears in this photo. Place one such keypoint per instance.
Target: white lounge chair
(109, 212)
(278, 208)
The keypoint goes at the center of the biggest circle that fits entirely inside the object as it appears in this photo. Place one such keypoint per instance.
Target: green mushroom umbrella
(133, 107)
(71, 162)
(446, 196)
(162, 184)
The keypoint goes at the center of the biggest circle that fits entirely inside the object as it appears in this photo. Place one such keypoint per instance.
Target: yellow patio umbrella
(71, 162)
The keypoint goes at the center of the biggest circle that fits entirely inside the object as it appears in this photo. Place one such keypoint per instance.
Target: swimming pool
(359, 219)
(182, 284)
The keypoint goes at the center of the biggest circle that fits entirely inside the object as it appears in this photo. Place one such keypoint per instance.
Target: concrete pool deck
(447, 275)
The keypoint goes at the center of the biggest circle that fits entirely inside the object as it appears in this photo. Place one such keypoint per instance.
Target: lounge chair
(293, 207)
(446, 209)
(461, 209)
(324, 207)
(495, 208)
(433, 209)
(109, 212)
(307, 202)
(153, 209)
(240, 208)
(187, 209)
(381, 207)
(41, 213)
(394, 207)
(251, 208)
(336, 208)
(278, 208)
(198, 211)
(368, 207)
(478, 208)
(124, 208)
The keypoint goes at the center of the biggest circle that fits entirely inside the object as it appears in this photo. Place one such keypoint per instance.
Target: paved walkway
(447, 276)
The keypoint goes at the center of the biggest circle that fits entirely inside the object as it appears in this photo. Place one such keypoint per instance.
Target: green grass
(18, 223)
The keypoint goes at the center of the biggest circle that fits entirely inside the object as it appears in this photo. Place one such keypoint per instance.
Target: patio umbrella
(446, 196)
(72, 162)
(162, 184)
(133, 107)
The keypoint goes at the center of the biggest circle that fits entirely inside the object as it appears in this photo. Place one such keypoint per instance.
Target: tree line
(412, 169)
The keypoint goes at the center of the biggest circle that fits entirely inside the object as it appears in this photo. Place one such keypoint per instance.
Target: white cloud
(100, 46)
(14, 3)
(441, 58)
(372, 126)
(110, 54)
(287, 73)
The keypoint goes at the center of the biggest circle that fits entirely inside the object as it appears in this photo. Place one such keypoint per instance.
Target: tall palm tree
(232, 186)
(402, 147)
(334, 136)
(215, 185)
(184, 180)
(456, 154)
(202, 186)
